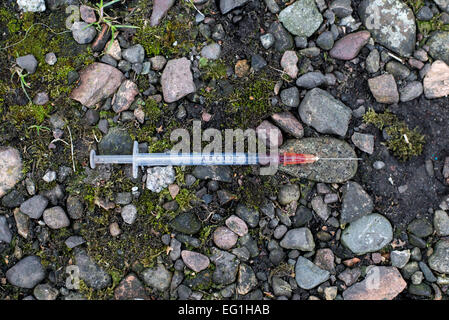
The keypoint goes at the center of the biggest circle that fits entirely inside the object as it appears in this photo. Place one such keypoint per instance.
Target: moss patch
(404, 142)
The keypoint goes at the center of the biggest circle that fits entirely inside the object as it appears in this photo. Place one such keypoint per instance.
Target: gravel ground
(366, 79)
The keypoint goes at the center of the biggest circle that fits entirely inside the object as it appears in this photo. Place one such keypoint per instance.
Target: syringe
(203, 159)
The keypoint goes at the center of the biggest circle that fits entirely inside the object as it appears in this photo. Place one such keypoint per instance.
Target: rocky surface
(321, 75)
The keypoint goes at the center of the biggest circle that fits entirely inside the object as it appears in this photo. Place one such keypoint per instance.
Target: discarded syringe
(203, 159)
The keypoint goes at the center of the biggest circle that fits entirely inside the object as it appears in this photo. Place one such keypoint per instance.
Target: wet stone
(290, 97)
(34, 207)
(130, 288)
(308, 275)
(421, 228)
(288, 122)
(323, 112)
(45, 292)
(194, 260)
(391, 23)
(390, 284)
(226, 267)
(300, 239)
(158, 277)
(348, 47)
(237, 225)
(369, 233)
(83, 33)
(301, 18)
(26, 273)
(249, 215)
(364, 142)
(224, 238)
(177, 80)
(186, 223)
(384, 89)
(439, 260)
(356, 202)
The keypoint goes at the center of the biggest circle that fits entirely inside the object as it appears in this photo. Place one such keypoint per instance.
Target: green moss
(403, 142)
(30, 113)
(434, 24)
(212, 69)
(173, 37)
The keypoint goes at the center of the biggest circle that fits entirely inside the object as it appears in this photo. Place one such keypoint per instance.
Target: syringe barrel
(195, 159)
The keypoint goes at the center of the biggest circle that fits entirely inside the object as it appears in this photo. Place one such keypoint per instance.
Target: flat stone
(441, 223)
(283, 39)
(355, 202)
(300, 239)
(177, 80)
(311, 80)
(5, 232)
(421, 228)
(438, 46)
(224, 238)
(290, 97)
(226, 267)
(380, 283)
(391, 23)
(74, 241)
(10, 169)
(399, 258)
(28, 62)
(364, 142)
(211, 51)
(308, 275)
(55, 218)
(249, 215)
(117, 141)
(269, 134)
(322, 171)
(194, 260)
(348, 47)
(436, 81)
(369, 233)
(320, 208)
(350, 276)
(439, 260)
(98, 81)
(134, 54)
(229, 5)
(82, 32)
(160, 9)
(325, 40)
(372, 62)
(325, 259)
(302, 18)
(130, 288)
(129, 213)
(125, 96)
(26, 273)
(34, 207)
(324, 113)
(246, 280)
(216, 173)
(45, 292)
(289, 123)
(411, 91)
(88, 14)
(289, 62)
(384, 89)
(288, 193)
(31, 5)
(158, 277)
(341, 8)
(237, 225)
(159, 178)
(186, 222)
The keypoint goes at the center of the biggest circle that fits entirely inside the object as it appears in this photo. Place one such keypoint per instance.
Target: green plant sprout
(109, 21)
(38, 128)
(23, 83)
